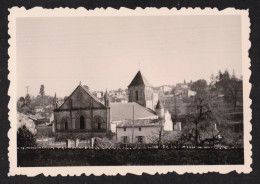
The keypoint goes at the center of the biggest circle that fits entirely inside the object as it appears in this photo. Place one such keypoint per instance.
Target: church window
(82, 122)
(66, 125)
(140, 129)
(99, 123)
(124, 128)
(99, 126)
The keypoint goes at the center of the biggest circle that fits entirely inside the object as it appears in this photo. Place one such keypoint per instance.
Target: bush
(25, 138)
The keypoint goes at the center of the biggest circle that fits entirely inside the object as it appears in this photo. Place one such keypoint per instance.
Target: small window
(125, 139)
(99, 126)
(124, 128)
(140, 139)
(140, 129)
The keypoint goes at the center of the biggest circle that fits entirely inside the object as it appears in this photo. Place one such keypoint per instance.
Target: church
(82, 116)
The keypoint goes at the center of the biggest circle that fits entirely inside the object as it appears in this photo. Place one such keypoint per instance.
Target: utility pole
(116, 132)
(133, 126)
(175, 109)
(27, 90)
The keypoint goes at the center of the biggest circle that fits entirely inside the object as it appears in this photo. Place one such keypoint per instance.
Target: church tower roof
(139, 79)
(159, 105)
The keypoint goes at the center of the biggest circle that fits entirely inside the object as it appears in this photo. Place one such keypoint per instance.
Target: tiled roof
(139, 123)
(139, 79)
(121, 111)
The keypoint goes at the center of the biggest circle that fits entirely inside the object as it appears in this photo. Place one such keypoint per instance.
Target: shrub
(25, 138)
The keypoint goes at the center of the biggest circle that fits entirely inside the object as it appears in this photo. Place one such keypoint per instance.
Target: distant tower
(140, 91)
(108, 118)
(106, 99)
(159, 109)
(55, 102)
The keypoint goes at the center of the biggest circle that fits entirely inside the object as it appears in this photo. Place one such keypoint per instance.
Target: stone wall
(112, 157)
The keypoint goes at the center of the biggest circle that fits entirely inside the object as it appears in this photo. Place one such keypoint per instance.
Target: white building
(141, 129)
(39, 109)
(123, 111)
(166, 88)
(191, 93)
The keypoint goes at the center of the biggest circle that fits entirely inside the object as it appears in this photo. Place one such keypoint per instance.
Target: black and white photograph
(141, 89)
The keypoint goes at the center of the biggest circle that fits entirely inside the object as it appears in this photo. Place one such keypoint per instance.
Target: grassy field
(103, 157)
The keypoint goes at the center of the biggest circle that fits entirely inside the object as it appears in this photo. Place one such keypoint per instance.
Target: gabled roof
(139, 79)
(88, 92)
(122, 111)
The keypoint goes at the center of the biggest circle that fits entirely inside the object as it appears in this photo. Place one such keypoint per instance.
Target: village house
(144, 130)
(38, 109)
(166, 89)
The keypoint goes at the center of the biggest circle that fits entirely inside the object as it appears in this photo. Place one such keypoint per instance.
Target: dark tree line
(230, 87)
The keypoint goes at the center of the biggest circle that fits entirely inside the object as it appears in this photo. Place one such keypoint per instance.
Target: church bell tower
(140, 91)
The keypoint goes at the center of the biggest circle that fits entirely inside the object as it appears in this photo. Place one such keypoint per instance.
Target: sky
(107, 52)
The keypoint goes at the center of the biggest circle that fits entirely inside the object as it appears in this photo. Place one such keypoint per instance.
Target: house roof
(121, 111)
(139, 123)
(139, 79)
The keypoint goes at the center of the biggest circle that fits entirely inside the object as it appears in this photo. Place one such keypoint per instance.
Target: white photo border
(16, 12)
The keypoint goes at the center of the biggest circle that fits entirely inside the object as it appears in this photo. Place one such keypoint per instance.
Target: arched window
(63, 124)
(82, 122)
(136, 95)
(99, 126)
(99, 123)
(66, 125)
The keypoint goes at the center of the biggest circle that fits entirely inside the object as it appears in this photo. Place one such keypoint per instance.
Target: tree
(20, 104)
(42, 90)
(24, 104)
(200, 86)
(231, 87)
(27, 100)
(204, 115)
(158, 135)
(25, 138)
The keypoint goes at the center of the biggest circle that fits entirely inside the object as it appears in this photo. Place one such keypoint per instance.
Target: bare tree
(204, 115)
(158, 135)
